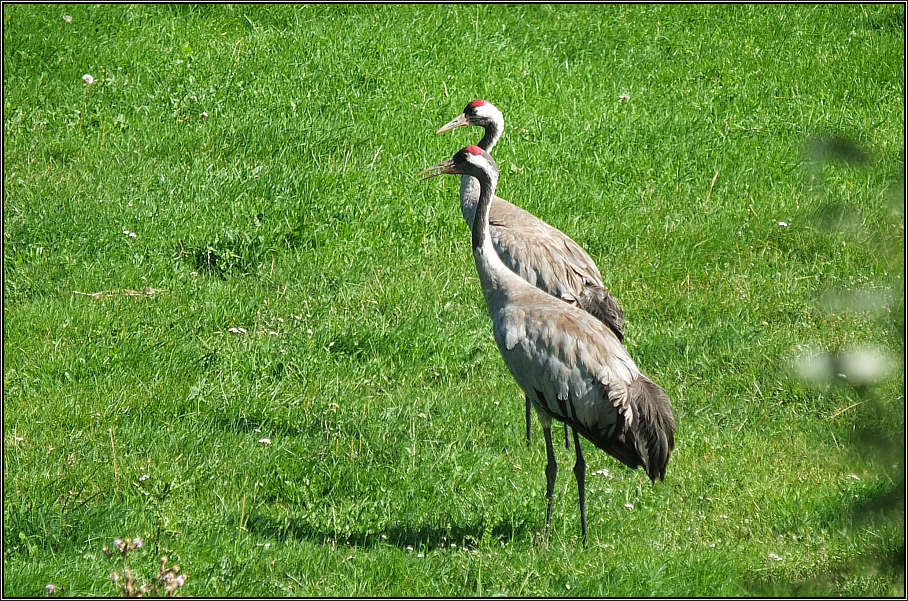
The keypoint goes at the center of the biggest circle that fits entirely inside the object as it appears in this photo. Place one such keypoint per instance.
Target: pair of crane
(559, 330)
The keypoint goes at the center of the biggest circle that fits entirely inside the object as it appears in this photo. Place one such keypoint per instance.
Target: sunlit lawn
(237, 327)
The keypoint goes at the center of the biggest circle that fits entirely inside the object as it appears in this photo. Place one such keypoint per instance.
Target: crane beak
(442, 168)
(457, 121)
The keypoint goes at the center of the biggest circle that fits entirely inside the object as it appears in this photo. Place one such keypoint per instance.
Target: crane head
(478, 112)
(467, 160)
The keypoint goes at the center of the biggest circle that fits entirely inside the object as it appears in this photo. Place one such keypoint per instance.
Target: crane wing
(550, 260)
(576, 371)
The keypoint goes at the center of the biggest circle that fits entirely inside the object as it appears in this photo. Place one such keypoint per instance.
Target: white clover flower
(774, 556)
(624, 97)
(265, 440)
(629, 505)
(51, 589)
(88, 79)
(137, 543)
(68, 18)
(783, 224)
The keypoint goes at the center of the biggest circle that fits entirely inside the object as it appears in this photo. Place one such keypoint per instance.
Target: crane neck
(493, 132)
(493, 274)
(480, 227)
(469, 186)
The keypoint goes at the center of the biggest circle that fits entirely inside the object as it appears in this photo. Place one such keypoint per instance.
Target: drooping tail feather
(599, 302)
(648, 437)
(654, 427)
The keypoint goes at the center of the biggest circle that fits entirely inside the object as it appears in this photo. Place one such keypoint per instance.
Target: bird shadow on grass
(412, 536)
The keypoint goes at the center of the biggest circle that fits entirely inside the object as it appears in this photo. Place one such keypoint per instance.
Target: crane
(571, 366)
(541, 254)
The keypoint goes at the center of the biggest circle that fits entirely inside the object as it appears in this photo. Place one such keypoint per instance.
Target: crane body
(571, 366)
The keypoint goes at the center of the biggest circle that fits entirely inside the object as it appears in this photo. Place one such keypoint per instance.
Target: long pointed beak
(446, 166)
(457, 121)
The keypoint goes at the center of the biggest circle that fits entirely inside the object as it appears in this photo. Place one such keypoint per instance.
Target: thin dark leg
(567, 436)
(529, 430)
(580, 473)
(551, 468)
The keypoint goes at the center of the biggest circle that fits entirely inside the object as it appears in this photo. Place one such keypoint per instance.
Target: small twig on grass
(147, 291)
(377, 152)
(708, 194)
(95, 295)
(841, 411)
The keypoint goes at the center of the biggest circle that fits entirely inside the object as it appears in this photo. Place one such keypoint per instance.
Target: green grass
(397, 463)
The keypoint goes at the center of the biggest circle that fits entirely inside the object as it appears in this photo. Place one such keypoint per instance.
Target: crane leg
(567, 434)
(529, 430)
(580, 474)
(551, 468)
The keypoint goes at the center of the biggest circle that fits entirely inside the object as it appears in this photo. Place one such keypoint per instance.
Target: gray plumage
(572, 367)
(543, 255)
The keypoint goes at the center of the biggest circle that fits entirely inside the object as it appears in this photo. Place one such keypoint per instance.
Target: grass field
(238, 327)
